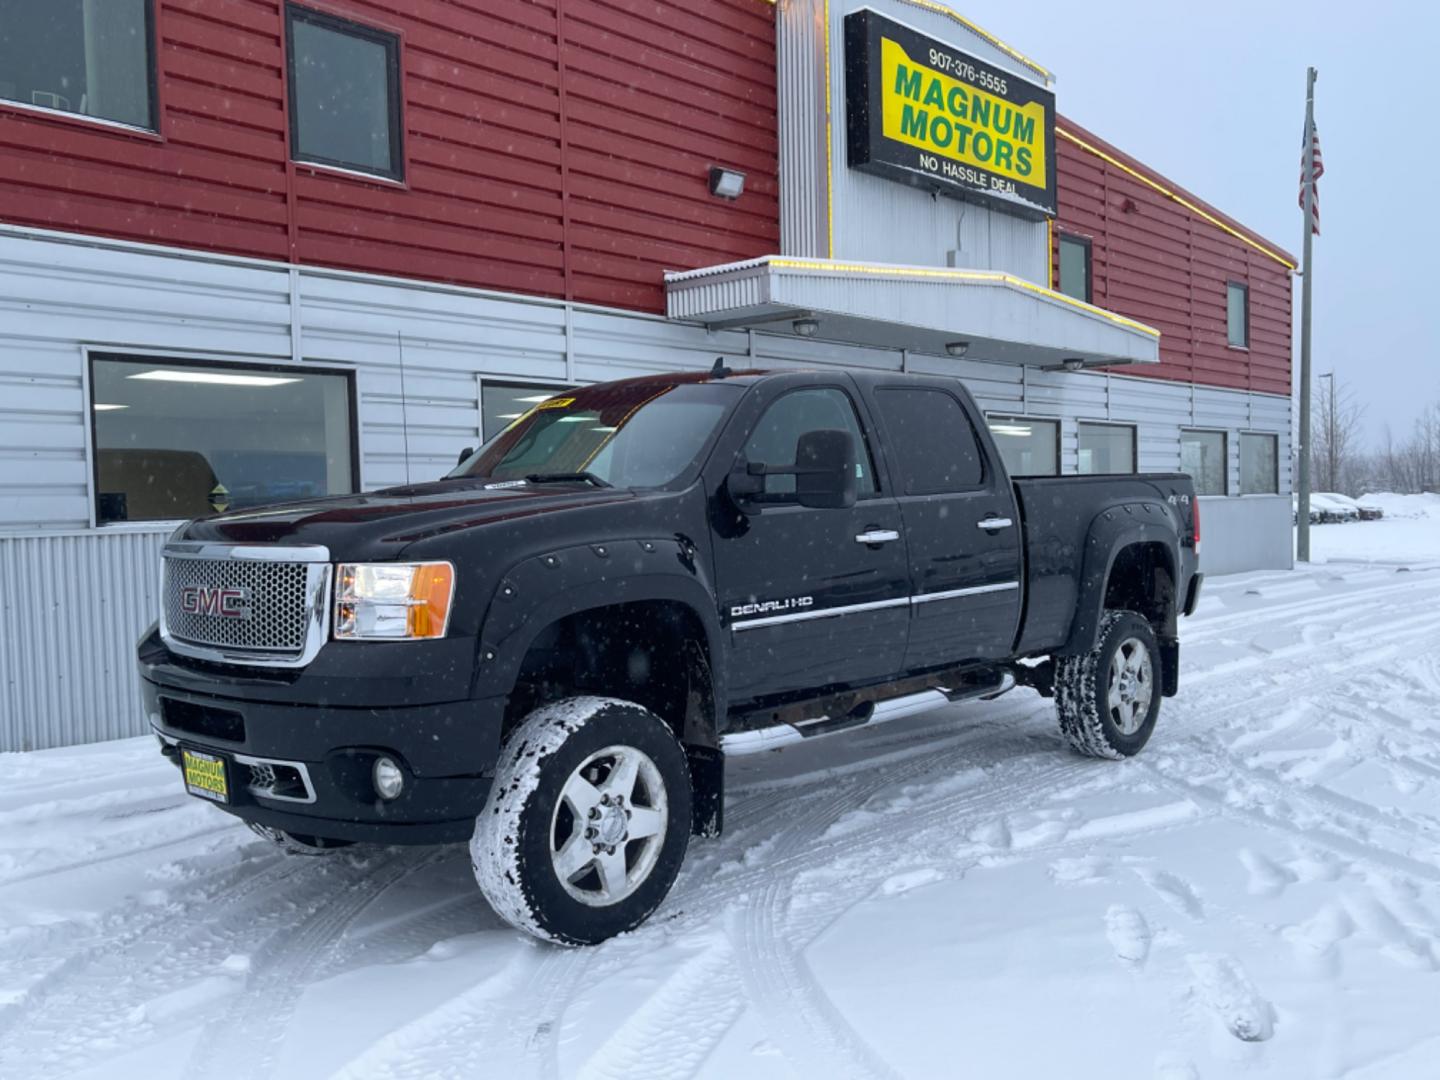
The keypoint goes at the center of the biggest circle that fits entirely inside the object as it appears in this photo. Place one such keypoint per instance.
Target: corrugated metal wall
(72, 607)
(553, 147)
(69, 680)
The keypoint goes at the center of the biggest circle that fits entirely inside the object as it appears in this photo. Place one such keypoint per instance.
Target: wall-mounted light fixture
(957, 348)
(1074, 363)
(805, 327)
(726, 183)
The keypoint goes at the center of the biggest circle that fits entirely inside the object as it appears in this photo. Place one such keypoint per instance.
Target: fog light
(389, 779)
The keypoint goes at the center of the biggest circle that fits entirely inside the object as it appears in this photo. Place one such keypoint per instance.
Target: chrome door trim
(974, 590)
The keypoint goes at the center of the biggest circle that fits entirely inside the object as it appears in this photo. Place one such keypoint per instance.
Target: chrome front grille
(245, 604)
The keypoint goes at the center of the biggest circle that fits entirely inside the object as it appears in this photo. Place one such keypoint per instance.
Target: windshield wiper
(568, 478)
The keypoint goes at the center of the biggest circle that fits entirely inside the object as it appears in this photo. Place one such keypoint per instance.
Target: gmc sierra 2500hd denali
(550, 651)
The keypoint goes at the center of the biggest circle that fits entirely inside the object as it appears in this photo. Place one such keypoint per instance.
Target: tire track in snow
(251, 1027)
(508, 1034)
(143, 956)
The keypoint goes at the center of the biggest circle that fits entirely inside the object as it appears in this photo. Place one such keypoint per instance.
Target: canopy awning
(998, 316)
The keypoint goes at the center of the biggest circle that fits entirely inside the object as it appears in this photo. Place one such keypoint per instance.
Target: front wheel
(587, 821)
(1109, 698)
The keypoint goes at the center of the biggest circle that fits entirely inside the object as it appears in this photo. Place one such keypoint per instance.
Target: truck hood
(381, 524)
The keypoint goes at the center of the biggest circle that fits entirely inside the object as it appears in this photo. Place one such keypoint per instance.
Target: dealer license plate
(205, 775)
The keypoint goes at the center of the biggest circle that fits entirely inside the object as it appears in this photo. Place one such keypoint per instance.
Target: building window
(1075, 267)
(1237, 314)
(935, 447)
(501, 404)
(1259, 464)
(344, 94)
(182, 440)
(89, 57)
(1106, 448)
(1028, 447)
(1202, 457)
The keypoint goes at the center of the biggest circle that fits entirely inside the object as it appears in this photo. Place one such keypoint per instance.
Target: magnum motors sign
(924, 113)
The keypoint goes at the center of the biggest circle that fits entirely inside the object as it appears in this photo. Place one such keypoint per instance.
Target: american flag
(1313, 142)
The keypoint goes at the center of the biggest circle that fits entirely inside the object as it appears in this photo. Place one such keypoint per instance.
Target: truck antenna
(720, 371)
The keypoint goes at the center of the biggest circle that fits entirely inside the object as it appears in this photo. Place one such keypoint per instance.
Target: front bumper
(324, 757)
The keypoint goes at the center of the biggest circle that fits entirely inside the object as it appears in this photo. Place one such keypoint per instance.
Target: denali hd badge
(771, 607)
(225, 603)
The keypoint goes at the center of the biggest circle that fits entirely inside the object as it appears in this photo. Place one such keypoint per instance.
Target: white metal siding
(74, 600)
(72, 607)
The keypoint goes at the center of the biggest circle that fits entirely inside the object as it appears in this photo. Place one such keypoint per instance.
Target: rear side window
(934, 444)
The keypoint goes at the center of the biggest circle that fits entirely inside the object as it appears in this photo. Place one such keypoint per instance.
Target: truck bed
(1057, 512)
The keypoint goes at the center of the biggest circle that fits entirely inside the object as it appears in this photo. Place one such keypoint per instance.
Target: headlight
(393, 601)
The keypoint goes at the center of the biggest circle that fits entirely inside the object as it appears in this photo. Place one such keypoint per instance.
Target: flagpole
(1302, 515)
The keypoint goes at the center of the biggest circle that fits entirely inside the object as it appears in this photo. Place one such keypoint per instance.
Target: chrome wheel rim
(1131, 686)
(608, 826)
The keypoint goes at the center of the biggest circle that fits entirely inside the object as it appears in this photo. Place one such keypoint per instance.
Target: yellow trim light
(1163, 190)
(980, 31)
(829, 150)
(393, 601)
(991, 277)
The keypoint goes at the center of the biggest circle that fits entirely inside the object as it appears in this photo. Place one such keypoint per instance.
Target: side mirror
(825, 470)
(824, 473)
(465, 454)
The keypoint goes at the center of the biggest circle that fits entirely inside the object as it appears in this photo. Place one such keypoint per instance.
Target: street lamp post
(1330, 451)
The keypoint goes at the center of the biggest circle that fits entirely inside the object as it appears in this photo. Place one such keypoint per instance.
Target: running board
(759, 740)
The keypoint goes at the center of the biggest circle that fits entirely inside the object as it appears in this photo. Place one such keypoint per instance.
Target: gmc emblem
(215, 600)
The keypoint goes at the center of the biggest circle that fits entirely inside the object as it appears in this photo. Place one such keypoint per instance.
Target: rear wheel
(1108, 699)
(587, 821)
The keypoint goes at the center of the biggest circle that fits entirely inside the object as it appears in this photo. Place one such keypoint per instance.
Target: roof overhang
(923, 309)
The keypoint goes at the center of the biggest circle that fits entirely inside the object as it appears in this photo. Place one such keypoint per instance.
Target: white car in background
(1334, 507)
(1364, 511)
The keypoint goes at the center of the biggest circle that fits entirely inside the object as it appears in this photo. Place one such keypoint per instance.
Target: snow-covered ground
(1257, 895)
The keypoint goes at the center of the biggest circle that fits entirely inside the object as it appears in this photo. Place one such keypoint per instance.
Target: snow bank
(1404, 506)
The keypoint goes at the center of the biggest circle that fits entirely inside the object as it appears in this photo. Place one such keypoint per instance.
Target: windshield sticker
(556, 403)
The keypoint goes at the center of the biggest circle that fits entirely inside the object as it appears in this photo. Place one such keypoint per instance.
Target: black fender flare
(537, 592)
(1111, 532)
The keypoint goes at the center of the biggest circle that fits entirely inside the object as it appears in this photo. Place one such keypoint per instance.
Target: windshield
(631, 435)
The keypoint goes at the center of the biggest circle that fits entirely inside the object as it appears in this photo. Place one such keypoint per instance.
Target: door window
(775, 437)
(935, 447)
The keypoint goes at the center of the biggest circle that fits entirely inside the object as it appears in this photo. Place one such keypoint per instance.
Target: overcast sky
(1213, 95)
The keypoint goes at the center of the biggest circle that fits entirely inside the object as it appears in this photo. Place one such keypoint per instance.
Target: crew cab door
(962, 527)
(811, 597)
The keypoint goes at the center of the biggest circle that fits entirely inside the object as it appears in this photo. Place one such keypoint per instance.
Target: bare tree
(1335, 435)
(1407, 467)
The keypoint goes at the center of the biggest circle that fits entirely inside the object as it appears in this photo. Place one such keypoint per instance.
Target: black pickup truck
(551, 651)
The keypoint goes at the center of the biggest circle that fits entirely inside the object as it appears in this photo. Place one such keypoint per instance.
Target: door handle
(994, 524)
(877, 536)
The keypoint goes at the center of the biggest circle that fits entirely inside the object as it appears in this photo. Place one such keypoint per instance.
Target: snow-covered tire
(1093, 722)
(564, 771)
(296, 844)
